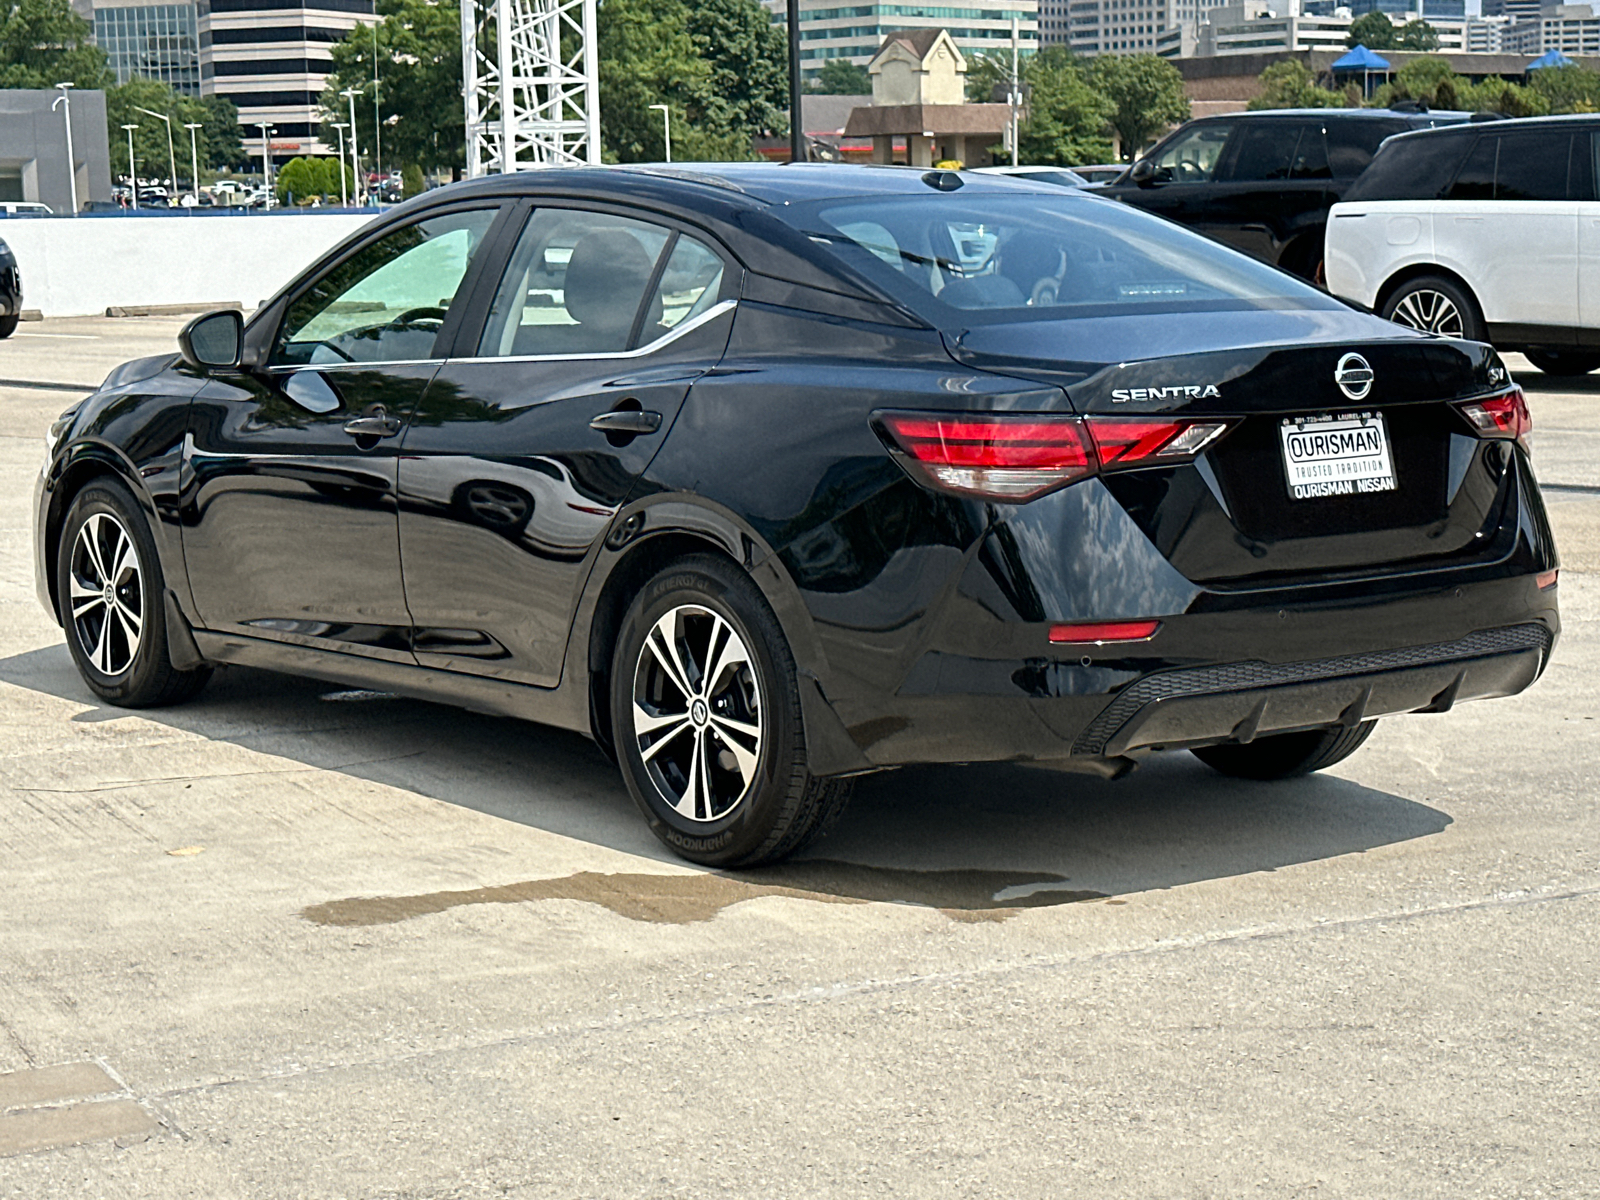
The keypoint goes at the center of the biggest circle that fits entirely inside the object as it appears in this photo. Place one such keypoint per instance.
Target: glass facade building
(151, 41)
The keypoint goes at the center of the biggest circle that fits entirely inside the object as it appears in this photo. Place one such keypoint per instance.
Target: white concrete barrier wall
(73, 267)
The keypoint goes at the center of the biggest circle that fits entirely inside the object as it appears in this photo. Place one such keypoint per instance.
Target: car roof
(1340, 114)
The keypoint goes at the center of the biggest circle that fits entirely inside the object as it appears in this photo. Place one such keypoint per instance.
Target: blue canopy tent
(1552, 58)
(1363, 60)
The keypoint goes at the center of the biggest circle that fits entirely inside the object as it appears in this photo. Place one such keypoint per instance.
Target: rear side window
(1266, 150)
(1351, 144)
(1311, 155)
(1516, 166)
(1411, 168)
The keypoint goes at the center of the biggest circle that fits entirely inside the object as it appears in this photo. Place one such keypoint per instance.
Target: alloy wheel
(1431, 312)
(107, 594)
(697, 713)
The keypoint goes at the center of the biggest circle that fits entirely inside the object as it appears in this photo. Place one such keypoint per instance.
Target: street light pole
(797, 134)
(350, 94)
(194, 158)
(133, 167)
(72, 167)
(344, 196)
(666, 127)
(1016, 91)
(172, 160)
(266, 156)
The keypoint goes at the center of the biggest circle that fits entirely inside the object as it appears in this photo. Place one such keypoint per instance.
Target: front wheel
(1435, 304)
(705, 709)
(1566, 363)
(8, 326)
(1286, 755)
(112, 600)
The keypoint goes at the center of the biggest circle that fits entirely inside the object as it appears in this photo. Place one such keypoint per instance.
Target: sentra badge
(1187, 391)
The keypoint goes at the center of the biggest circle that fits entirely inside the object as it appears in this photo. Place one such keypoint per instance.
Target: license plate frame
(1344, 454)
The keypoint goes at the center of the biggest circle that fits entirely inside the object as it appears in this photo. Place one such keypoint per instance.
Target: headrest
(606, 275)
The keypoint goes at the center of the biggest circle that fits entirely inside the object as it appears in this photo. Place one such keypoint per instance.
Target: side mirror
(1143, 173)
(212, 342)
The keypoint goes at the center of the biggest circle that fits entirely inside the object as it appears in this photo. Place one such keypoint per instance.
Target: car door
(523, 448)
(290, 529)
(1183, 170)
(1274, 177)
(1509, 228)
(1585, 187)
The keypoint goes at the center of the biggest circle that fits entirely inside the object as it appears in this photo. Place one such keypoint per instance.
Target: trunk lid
(1230, 517)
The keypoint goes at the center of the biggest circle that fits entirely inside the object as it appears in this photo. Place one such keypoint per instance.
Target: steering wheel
(415, 316)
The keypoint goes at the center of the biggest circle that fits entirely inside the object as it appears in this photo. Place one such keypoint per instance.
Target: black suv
(10, 292)
(1263, 182)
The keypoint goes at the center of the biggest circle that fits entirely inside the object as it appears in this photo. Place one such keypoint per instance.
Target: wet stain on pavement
(961, 895)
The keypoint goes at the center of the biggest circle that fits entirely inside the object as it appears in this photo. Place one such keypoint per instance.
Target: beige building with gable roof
(918, 98)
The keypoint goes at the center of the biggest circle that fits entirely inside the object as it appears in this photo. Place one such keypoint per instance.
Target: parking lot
(304, 941)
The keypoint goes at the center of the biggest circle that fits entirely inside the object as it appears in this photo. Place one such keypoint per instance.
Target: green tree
(418, 51)
(1288, 84)
(1146, 94)
(1067, 118)
(841, 77)
(217, 139)
(1416, 35)
(1502, 96)
(749, 68)
(1373, 30)
(43, 43)
(412, 182)
(1567, 89)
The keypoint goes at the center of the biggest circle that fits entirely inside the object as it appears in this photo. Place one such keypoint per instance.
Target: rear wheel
(1286, 755)
(705, 708)
(1563, 362)
(8, 326)
(112, 599)
(1435, 304)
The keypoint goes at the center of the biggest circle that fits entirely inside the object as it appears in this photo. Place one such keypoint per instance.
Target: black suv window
(1351, 144)
(1266, 150)
(1522, 165)
(1190, 155)
(1311, 155)
(1412, 168)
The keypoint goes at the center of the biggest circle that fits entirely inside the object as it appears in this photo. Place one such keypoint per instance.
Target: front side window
(1191, 156)
(593, 283)
(387, 301)
(1000, 258)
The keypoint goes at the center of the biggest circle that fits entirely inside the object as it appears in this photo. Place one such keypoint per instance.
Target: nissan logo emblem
(1354, 376)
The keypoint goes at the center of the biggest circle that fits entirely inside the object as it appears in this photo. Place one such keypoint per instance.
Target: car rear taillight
(998, 458)
(1503, 416)
(1140, 442)
(1083, 633)
(1015, 458)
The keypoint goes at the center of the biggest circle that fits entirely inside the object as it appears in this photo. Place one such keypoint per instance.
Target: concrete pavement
(316, 943)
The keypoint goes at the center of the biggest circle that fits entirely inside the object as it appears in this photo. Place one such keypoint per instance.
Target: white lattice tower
(531, 81)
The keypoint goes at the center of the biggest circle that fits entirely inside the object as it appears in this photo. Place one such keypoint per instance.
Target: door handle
(627, 420)
(374, 423)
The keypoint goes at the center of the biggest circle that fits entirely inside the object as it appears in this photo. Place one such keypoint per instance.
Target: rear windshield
(990, 258)
(1412, 168)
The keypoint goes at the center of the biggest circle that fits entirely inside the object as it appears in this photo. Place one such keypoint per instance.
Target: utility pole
(350, 94)
(72, 167)
(344, 197)
(377, 121)
(133, 167)
(666, 127)
(797, 133)
(1016, 90)
(194, 158)
(266, 156)
(172, 160)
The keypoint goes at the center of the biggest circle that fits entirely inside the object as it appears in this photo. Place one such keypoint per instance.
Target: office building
(150, 41)
(1133, 26)
(1569, 28)
(855, 32)
(272, 59)
(33, 148)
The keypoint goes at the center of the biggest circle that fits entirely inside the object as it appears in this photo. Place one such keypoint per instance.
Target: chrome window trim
(296, 368)
(710, 314)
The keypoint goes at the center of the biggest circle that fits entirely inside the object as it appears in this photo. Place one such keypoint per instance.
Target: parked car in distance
(1099, 173)
(1489, 232)
(25, 208)
(1060, 176)
(1263, 182)
(10, 292)
(767, 477)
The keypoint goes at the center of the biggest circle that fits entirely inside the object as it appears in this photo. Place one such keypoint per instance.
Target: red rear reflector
(1133, 442)
(1104, 631)
(1502, 416)
(1546, 579)
(995, 457)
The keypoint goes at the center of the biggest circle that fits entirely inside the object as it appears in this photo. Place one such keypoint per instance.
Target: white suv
(1488, 231)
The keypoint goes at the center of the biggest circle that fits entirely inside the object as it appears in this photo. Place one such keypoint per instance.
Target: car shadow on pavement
(976, 842)
(1536, 382)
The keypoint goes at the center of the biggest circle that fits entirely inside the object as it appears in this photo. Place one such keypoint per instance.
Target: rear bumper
(1239, 702)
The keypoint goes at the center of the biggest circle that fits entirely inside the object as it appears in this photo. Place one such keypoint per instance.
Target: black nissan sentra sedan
(766, 477)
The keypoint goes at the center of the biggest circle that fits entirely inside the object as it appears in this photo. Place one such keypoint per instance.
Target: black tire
(1417, 305)
(8, 326)
(753, 809)
(127, 664)
(1286, 755)
(1565, 363)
